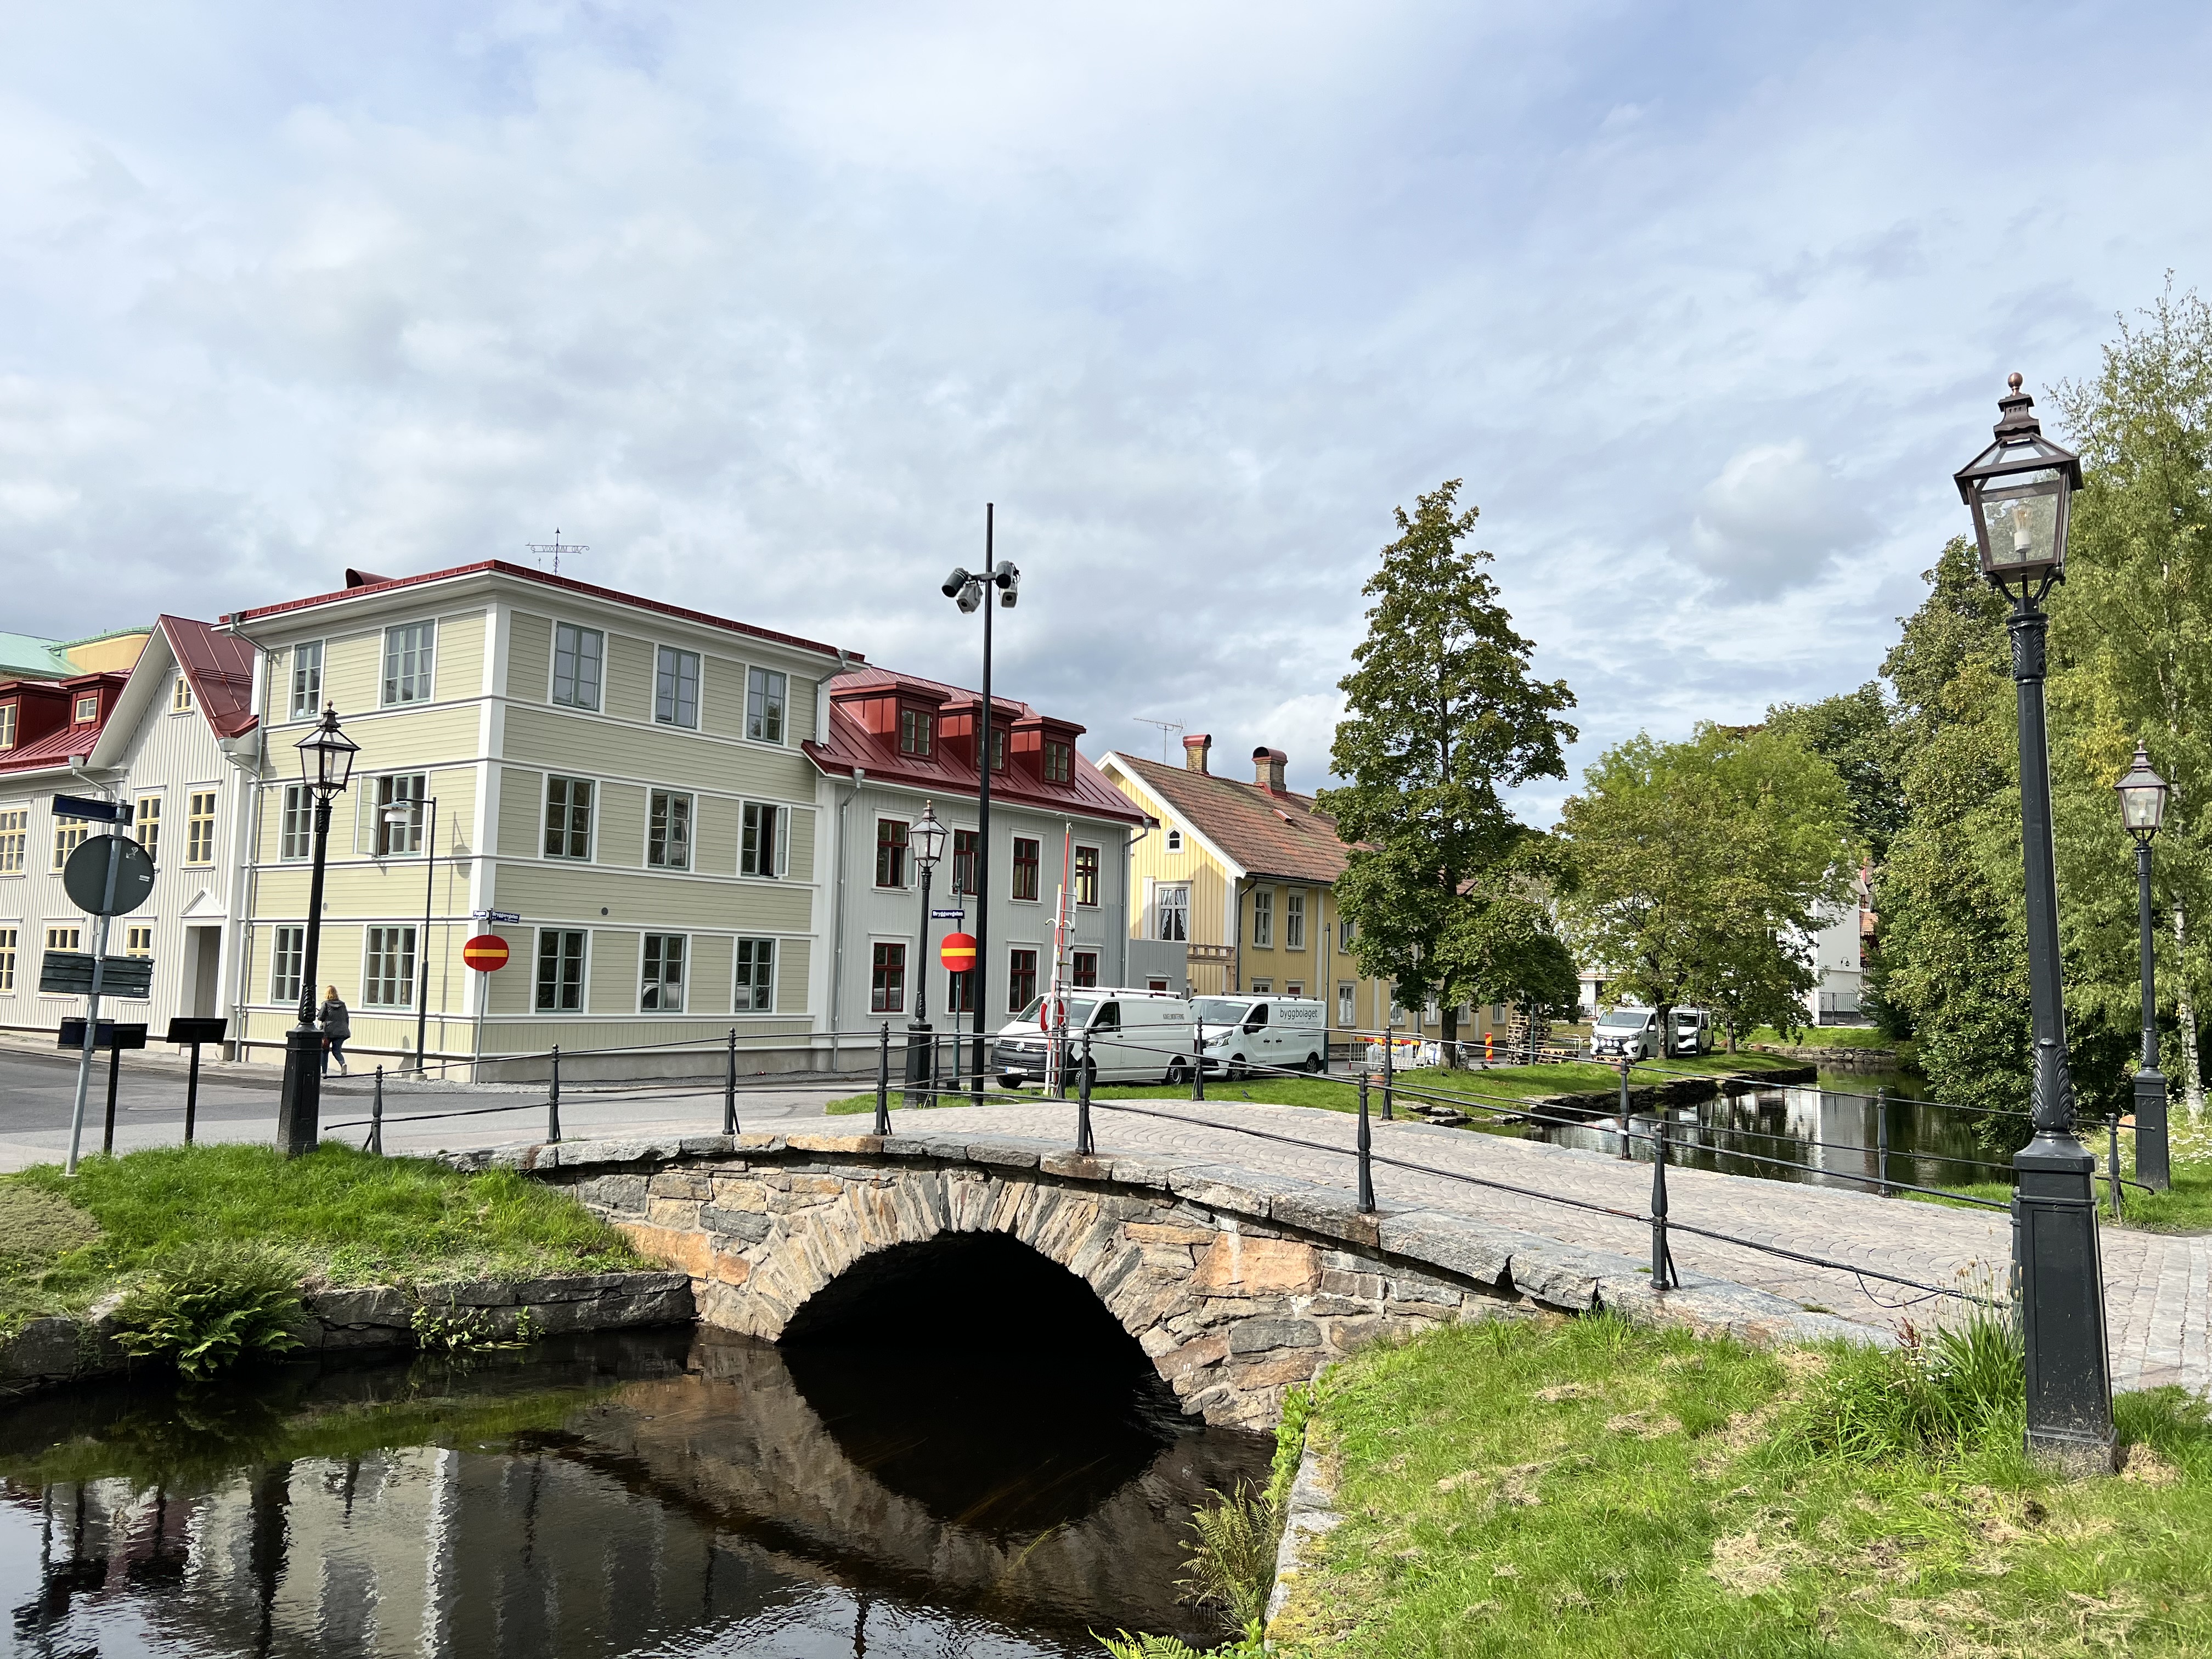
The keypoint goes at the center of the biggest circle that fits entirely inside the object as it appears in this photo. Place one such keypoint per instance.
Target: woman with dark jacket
(337, 1028)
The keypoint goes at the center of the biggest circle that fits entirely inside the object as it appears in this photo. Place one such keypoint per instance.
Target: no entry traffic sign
(486, 953)
(957, 952)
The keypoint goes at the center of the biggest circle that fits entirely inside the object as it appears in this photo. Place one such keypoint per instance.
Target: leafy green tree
(1443, 716)
(1702, 867)
(1851, 731)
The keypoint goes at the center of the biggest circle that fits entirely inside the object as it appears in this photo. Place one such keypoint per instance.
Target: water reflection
(677, 1493)
(1826, 1135)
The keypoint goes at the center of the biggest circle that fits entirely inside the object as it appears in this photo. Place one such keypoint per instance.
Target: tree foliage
(1701, 869)
(1443, 717)
(1852, 732)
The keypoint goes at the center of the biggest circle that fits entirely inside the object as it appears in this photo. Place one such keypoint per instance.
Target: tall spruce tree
(1445, 887)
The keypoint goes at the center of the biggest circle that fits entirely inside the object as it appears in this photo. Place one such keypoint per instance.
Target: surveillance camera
(953, 583)
(1008, 580)
(970, 596)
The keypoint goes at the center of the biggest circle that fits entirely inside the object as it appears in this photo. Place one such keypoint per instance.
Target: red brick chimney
(1267, 766)
(1195, 749)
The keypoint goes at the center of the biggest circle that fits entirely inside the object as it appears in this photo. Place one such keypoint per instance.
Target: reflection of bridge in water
(719, 1500)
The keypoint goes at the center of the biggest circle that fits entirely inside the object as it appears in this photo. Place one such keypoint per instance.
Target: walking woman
(337, 1028)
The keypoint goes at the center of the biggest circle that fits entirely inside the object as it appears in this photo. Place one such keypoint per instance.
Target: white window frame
(652, 994)
(287, 961)
(1347, 1004)
(400, 841)
(397, 942)
(583, 977)
(1172, 899)
(295, 824)
(689, 813)
(1175, 840)
(9, 939)
(1294, 920)
(749, 839)
(393, 689)
(599, 669)
(745, 994)
(759, 700)
(307, 706)
(1263, 918)
(591, 819)
(698, 686)
(8, 724)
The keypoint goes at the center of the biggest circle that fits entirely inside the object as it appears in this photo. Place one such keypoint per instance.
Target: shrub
(1232, 1565)
(1940, 1395)
(208, 1306)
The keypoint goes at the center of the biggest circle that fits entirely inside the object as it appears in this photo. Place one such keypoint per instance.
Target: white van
(1266, 1033)
(1693, 1031)
(1628, 1030)
(1136, 1037)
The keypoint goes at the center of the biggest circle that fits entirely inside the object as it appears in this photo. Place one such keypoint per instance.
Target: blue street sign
(948, 915)
(496, 916)
(83, 806)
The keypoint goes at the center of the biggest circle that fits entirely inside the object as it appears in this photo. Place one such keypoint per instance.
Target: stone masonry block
(1258, 1335)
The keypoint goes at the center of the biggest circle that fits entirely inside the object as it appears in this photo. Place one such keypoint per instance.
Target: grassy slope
(1825, 1036)
(1582, 1488)
(1503, 1085)
(345, 1216)
(2186, 1207)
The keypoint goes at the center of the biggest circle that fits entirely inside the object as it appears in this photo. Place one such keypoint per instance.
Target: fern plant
(209, 1306)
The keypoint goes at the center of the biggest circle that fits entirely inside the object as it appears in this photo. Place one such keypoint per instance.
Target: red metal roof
(57, 748)
(219, 667)
(362, 582)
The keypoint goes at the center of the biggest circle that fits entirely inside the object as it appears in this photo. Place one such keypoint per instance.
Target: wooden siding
(802, 845)
(614, 968)
(521, 813)
(714, 958)
(794, 963)
(714, 836)
(529, 657)
(629, 677)
(644, 753)
(576, 893)
(620, 839)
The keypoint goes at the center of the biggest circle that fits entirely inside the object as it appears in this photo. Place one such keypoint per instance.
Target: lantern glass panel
(2018, 521)
(2143, 806)
(929, 840)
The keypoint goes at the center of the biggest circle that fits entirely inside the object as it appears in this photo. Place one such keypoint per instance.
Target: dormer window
(917, 731)
(7, 726)
(998, 749)
(87, 707)
(1059, 761)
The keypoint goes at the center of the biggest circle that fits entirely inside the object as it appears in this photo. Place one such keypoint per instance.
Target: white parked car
(1262, 1032)
(1627, 1031)
(1136, 1037)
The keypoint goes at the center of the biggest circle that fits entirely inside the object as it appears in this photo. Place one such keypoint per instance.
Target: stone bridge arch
(1235, 1285)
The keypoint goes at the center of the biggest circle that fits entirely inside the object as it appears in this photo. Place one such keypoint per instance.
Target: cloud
(1772, 519)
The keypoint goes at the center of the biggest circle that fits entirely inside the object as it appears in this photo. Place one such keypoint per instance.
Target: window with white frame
(577, 654)
(146, 823)
(662, 989)
(676, 687)
(180, 695)
(1294, 921)
(399, 813)
(755, 976)
(1346, 930)
(765, 691)
(890, 852)
(15, 839)
(560, 971)
(199, 827)
(410, 657)
(761, 829)
(1086, 877)
(1028, 859)
(1173, 907)
(1347, 1003)
(7, 958)
(87, 708)
(387, 968)
(1263, 917)
(568, 817)
(1083, 972)
(887, 978)
(307, 680)
(288, 958)
(668, 830)
(1175, 840)
(295, 822)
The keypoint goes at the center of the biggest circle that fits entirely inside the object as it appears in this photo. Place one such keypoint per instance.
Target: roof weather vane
(557, 547)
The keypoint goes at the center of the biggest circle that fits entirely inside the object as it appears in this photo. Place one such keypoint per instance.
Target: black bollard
(376, 1116)
(1662, 1260)
(114, 1071)
(1366, 1151)
(192, 1095)
(730, 1088)
(1083, 1101)
(1625, 1154)
(1198, 1063)
(2113, 1164)
(884, 1079)
(553, 1101)
(1387, 1045)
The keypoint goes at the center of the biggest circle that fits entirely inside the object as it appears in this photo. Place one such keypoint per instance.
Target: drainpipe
(837, 923)
(1128, 879)
(1237, 941)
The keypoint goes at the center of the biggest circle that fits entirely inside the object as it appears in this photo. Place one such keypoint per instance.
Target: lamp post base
(2069, 1392)
(921, 1052)
(300, 1107)
(2152, 1168)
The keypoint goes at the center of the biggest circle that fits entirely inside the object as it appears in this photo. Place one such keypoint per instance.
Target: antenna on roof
(557, 547)
(1165, 727)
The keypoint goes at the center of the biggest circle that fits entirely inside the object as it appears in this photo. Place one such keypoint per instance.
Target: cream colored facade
(561, 804)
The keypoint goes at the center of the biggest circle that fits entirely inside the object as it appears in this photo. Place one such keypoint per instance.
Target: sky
(1703, 303)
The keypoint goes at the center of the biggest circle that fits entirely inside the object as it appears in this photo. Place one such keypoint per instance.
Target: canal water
(1824, 1134)
(668, 1493)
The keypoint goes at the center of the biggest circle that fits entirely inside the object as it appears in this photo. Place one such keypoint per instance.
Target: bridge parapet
(1236, 1284)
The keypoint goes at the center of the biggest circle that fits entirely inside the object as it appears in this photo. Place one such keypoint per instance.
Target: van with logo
(1261, 1033)
(1135, 1036)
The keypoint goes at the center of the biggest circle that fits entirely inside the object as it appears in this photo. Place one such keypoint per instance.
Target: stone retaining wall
(46, 1352)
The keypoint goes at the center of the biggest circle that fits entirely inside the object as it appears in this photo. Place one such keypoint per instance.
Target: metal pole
(423, 950)
(730, 1087)
(1366, 1152)
(982, 865)
(1083, 1101)
(883, 1078)
(1388, 1046)
(376, 1115)
(114, 1072)
(1881, 1141)
(191, 1094)
(1624, 1108)
(92, 1011)
(2152, 1167)
(1663, 1261)
(299, 1109)
(1198, 1061)
(919, 1048)
(2113, 1164)
(2069, 1390)
(553, 1100)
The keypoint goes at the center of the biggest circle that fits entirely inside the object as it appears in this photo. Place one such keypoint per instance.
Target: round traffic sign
(956, 952)
(486, 953)
(85, 875)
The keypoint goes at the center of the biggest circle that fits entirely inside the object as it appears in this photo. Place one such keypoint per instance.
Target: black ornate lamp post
(2018, 490)
(967, 591)
(2143, 809)
(927, 841)
(326, 764)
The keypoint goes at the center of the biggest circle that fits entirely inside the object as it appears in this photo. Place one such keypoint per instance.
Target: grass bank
(1824, 1036)
(2184, 1207)
(1586, 1488)
(1499, 1086)
(341, 1217)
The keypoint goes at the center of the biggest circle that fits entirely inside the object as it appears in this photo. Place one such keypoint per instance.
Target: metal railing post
(1083, 1101)
(1663, 1261)
(730, 1088)
(114, 1076)
(1881, 1140)
(376, 1115)
(1625, 1154)
(2112, 1162)
(1198, 1062)
(553, 1100)
(1387, 1045)
(883, 1078)
(1366, 1153)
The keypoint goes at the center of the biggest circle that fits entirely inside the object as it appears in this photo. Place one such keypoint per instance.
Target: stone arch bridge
(1236, 1284)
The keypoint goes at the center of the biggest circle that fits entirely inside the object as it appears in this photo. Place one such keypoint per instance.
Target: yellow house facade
(1245, 874)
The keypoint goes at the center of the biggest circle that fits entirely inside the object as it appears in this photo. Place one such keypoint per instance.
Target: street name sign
(85, 807)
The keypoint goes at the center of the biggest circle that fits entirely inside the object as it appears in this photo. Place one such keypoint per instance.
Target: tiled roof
(220, 666)
(852, 744)
(1268, 834)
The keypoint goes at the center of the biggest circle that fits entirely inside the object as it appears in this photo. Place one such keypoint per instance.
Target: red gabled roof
(1268, 833)
(852, 744)
(361, 582)
(219, 667)
(57, 747)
